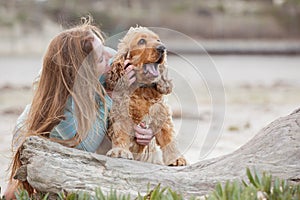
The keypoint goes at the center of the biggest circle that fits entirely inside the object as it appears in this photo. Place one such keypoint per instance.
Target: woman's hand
(143, 135)
(129, 72)
(124, 83)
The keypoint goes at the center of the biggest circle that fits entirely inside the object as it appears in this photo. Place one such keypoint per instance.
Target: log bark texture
(50, 167)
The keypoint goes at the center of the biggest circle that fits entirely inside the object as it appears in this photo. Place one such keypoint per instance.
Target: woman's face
(102, 56)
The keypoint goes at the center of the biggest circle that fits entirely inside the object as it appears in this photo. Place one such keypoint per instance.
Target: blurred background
(24, 21)
(254, 45)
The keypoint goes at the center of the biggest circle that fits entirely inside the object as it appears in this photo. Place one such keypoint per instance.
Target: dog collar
(152, 85)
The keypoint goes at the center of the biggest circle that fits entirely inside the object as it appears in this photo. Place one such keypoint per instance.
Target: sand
(257, 90)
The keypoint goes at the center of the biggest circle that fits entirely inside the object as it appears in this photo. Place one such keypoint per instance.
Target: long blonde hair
(69, 70)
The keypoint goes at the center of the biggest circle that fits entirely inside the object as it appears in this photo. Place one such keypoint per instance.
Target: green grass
(257, 186)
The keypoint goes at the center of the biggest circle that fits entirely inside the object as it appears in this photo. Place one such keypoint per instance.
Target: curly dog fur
(143, 101)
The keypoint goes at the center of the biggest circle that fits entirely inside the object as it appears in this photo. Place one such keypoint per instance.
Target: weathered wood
(52, 167)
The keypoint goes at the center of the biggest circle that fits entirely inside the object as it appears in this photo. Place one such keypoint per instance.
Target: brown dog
(143, 101)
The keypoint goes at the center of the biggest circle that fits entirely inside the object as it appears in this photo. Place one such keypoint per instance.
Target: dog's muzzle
(161, 48)
(152, 68)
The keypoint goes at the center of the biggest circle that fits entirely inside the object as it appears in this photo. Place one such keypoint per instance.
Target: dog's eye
(158, 40)
(141, 41)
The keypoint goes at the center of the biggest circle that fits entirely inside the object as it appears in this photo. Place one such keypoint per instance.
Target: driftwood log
(50, 167)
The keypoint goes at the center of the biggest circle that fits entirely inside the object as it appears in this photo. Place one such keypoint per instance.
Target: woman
(70, 105)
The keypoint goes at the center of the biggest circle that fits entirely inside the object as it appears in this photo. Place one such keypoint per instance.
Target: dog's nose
(161, 48)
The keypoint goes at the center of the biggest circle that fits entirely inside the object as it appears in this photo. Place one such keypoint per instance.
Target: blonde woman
(70, 105)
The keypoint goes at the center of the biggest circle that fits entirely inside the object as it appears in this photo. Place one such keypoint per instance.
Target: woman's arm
(67, 128)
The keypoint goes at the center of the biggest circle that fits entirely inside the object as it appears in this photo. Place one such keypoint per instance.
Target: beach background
(235, 64)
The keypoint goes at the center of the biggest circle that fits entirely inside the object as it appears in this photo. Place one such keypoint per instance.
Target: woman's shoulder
(110, 50)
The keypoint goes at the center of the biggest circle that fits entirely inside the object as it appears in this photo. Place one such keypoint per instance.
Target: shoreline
(241, 47)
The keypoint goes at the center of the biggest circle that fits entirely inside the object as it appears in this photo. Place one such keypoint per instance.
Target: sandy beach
(256, 91)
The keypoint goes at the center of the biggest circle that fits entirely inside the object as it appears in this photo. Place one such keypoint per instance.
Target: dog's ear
(115, 73)
(164, 85)
(117, 68)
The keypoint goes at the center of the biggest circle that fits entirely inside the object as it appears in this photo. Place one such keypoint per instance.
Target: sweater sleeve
(67, 128)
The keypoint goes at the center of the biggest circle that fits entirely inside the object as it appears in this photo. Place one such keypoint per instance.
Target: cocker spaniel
(143, 101)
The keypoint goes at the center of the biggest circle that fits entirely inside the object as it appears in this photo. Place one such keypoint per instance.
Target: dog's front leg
(162, 126)
(120, 142)
(121, 126)
(168, 144)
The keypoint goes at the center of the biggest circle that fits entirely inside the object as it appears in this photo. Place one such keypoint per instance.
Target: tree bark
(50, 167)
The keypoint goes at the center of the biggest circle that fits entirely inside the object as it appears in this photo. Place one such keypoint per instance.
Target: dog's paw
(120, 153)
(181, 161)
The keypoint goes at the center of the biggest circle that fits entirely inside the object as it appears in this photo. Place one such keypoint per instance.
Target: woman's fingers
(143, 136)
(143, 131)
(131, 77)
(143, 142)
(130, 74)
(129, 71)
(126, 64)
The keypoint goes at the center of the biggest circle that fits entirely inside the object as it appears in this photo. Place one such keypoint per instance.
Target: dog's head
(147, 53)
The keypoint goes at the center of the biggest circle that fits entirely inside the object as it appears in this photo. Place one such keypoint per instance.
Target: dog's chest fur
(141, 101)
